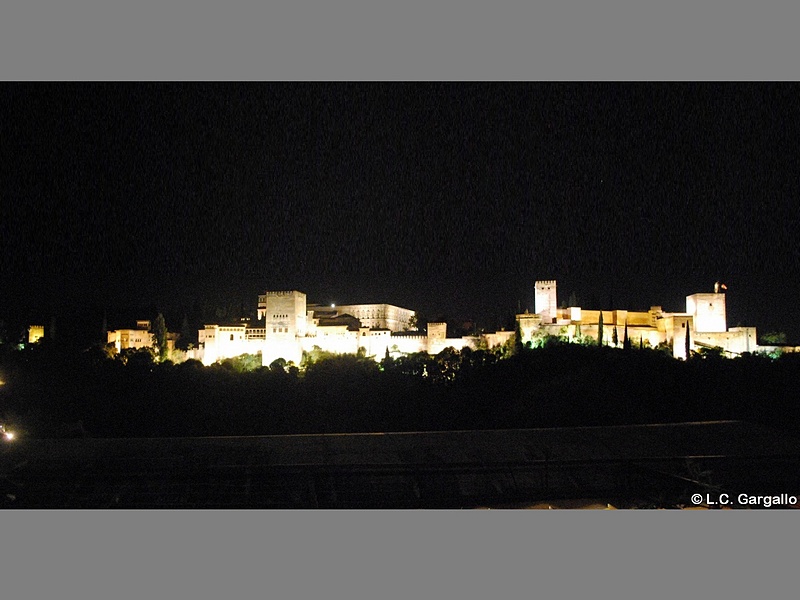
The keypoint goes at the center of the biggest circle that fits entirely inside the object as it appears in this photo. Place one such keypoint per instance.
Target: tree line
(49, 390)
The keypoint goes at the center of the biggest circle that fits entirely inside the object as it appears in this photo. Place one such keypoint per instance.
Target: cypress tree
(185, 338)
(159, 331)
(688, 346)
(600, 330)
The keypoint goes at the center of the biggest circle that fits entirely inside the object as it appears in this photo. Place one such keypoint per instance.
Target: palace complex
(292, 326)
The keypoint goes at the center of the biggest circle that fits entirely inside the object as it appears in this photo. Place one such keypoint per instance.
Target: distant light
(333, 306)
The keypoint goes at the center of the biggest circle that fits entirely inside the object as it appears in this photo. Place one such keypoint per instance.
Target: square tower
(545, 303)
(528, 325)
(437, 337)
(285, 314)
(708, 311)
(35, 333)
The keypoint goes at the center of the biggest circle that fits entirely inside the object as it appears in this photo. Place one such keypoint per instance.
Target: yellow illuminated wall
(35, 333)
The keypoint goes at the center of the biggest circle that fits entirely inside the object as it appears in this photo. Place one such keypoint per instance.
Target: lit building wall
(736, 340)
(334, 338)
(497, 338)
(675, 326)
(573, 322)
(639, 318)
(383, 316)
(290, 350)
(528, 324)
(407, 344)
(130, 338)
(375, 341)
(220, 342)
(459, 343)
(743, 339)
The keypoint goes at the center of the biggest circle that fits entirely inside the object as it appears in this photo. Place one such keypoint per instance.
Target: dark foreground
(644, 466)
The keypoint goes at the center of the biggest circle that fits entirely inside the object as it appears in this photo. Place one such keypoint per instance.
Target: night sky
(450, 199)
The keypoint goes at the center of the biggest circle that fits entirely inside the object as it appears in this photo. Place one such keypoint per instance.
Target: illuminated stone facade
(124, 339)
(708, 312)
(293, 327)
(220, 342)
(379, 316)
(130, 338)
(705, 319)
(35, 333)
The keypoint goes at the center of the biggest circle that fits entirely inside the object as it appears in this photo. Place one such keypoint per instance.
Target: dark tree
(137, 358)
(186, 338)
(104, 329)
(688, 344)
(159, 331)
(387, 363)
(626, 342)
(774, 338)
(600, 330)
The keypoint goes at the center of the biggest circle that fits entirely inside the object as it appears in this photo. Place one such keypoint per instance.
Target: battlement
(284, 293)
(546, 282)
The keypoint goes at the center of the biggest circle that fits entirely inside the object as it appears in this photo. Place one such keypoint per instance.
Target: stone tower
(708, 312)
(285, 321)
(545, 301)
(285, 314)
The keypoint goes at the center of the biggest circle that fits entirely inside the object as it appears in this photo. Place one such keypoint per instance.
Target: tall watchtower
(545, 302)
(708, 311)
(284, 314)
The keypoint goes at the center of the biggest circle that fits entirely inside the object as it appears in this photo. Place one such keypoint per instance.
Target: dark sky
(451, 199)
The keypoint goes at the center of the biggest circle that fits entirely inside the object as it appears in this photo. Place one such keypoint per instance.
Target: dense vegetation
(48, 391)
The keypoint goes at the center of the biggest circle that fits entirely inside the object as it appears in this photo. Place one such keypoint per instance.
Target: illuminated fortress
(292, 326)
(704, 321)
